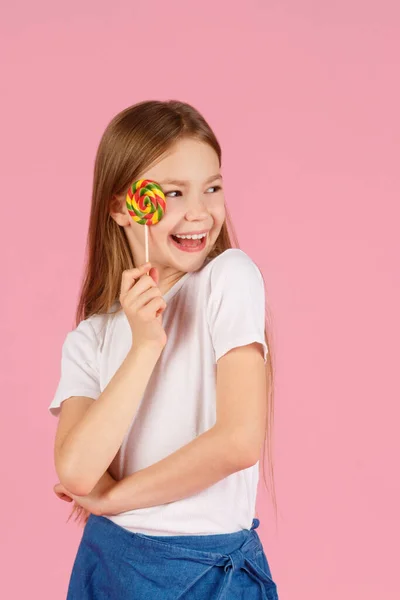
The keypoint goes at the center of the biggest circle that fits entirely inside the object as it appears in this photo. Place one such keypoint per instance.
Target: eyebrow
(183, 183)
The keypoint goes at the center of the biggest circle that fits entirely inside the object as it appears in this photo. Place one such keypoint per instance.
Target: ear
(119, 212)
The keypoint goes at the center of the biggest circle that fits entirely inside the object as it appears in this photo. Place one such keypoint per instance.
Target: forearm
(210, 457)
(90, 447)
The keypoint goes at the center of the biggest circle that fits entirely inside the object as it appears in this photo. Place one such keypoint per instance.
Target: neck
(167, 278)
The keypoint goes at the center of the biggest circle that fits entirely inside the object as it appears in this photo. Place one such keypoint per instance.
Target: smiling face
(189, 175)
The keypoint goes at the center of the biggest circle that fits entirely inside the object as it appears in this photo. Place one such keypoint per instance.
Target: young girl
(166, 379)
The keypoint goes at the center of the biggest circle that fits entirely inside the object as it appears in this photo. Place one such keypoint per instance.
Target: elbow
(70, 477)
(240, 451)
(251, 451)
(76, 486)
(75, 483)
(248, 458)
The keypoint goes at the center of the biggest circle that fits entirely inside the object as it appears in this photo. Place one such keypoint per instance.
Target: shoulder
(100, 322)
(236, 302)
(90, 332)
(233, 265)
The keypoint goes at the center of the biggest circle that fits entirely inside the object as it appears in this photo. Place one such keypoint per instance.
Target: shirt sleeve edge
(241, 341)
(56, 402)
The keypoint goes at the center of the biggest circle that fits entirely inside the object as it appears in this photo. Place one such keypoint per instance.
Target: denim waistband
(230, 551)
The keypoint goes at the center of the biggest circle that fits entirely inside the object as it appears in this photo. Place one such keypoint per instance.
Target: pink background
(304, 98)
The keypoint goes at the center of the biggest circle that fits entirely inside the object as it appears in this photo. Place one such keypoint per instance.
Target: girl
(162, 400)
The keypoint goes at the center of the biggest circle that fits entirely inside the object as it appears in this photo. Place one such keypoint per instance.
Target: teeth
(198, 236)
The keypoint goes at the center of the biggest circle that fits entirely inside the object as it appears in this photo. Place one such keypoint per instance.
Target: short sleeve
(236, 304)
(79, 371)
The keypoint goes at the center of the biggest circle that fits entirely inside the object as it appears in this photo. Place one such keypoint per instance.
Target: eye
(173, 192)
(215, 187)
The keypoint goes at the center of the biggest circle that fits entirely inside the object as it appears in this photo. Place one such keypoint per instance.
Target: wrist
(108, 502)
(114, 503)
(151, 350)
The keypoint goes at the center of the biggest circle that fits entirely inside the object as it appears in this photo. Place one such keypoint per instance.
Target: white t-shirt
(209, 312)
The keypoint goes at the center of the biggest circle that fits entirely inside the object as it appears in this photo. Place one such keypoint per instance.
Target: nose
(196, 208)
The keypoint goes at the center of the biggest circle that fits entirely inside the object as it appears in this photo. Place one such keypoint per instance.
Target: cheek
(218, 212)
(173, 214)
(162, 229)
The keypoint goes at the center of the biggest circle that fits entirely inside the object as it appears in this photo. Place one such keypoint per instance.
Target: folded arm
(232, 444)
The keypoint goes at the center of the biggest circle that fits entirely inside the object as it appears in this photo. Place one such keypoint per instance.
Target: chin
(192, 261)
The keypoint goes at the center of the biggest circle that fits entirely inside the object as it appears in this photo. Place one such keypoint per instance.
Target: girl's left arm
(232, 444)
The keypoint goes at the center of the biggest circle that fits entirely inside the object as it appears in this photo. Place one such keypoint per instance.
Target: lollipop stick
(146, 242)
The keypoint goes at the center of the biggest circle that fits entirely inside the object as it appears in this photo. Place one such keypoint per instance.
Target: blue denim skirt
(113, 563)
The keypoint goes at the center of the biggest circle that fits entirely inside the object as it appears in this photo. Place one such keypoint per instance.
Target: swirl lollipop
(146, 204)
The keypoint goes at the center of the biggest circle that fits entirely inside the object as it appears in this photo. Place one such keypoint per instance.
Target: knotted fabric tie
(233, 562)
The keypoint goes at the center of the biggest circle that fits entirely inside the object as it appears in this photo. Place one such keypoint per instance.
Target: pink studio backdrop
(304, 99)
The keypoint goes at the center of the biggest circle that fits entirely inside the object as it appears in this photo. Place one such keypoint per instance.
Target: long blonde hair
(133, 140)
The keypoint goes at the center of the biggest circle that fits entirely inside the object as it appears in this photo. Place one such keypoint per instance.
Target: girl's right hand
(143, 304)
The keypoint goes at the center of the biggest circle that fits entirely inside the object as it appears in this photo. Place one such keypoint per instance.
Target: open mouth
(189, 244)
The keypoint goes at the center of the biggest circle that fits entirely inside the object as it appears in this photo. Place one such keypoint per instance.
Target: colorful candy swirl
(146, 202)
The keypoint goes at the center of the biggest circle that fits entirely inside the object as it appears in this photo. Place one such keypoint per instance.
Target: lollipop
(146, 204)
